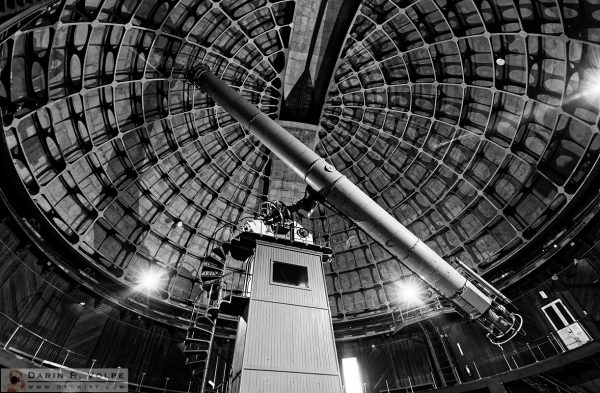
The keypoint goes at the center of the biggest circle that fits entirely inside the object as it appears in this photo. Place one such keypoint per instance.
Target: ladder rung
(192, 362)
(203, 328)
(195, 358)
(195, 351)
(197, 372)
(199, 336)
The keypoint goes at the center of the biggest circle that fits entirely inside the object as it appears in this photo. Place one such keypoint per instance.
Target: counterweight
(475, 301)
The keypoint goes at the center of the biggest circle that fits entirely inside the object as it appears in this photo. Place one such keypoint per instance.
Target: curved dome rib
(135, 168)
(475, 124)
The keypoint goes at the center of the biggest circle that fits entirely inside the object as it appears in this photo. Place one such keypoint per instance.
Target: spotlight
(587, 85)
(500, 61)
(592, 87)
(150, 280)
(179, 223)
(410, 291)
(82, 303)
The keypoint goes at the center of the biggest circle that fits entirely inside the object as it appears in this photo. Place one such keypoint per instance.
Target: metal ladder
(198, 343)
(443, 363)
(200, 335)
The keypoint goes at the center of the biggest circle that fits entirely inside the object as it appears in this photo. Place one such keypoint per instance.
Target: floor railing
(30, 346)
(538, 350)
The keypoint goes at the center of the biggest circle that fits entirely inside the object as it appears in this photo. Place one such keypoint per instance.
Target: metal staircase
(198, 343)
(444, 365)
(225, 284)
(201, 331)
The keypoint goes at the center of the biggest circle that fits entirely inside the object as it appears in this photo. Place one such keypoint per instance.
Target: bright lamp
(150, 280)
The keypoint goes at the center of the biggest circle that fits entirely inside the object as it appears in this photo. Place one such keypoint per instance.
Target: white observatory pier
(285, 339)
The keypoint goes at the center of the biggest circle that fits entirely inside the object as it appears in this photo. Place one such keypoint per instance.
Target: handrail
(398, 318)
(540, 349)
(409, 383)
(10, 346)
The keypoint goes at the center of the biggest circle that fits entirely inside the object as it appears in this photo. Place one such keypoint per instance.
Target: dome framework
(473, 123)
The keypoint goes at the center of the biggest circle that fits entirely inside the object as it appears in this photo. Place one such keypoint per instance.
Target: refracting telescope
(474, 298)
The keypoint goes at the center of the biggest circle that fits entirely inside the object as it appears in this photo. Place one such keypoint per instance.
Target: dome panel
(474, 122)
(493, 118)
(128, 161)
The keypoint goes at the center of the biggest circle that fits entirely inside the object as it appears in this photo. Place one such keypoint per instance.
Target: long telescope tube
(480, 279)
(348, 199)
